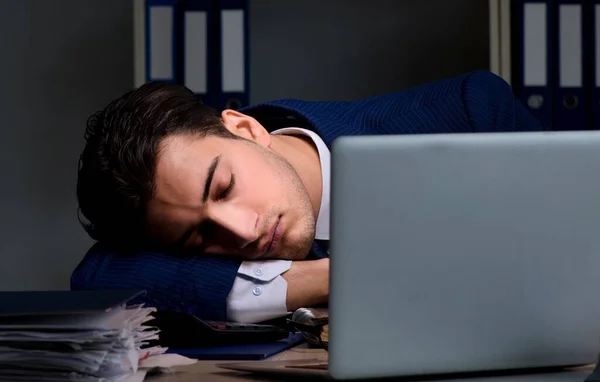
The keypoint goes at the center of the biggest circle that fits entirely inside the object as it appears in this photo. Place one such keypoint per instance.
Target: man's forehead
(180, 179)
(179, 142)
(165, 221)
(183, 154)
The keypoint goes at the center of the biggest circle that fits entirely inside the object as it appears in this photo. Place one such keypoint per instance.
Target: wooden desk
(208, 371)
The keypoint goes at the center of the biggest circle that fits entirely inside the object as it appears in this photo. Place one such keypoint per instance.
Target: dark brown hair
(116, 171)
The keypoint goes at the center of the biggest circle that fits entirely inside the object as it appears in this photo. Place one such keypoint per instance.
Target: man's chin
(298, 254)
(285, 252)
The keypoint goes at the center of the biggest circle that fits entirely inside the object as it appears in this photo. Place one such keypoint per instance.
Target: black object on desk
(179, 330)
(254, 351)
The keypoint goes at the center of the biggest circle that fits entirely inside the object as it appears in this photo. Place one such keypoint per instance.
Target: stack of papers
(78, 336)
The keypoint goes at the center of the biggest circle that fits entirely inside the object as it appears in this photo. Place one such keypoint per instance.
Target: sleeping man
(226, 215)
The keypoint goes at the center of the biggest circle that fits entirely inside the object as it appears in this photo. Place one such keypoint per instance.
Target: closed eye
(227, 191)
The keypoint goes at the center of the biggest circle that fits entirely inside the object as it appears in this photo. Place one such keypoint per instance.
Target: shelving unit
(500, 46)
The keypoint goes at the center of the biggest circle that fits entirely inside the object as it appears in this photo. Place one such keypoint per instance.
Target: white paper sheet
(108, 346)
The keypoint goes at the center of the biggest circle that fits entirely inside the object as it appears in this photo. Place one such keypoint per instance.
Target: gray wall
(347, 49)
(59, 65)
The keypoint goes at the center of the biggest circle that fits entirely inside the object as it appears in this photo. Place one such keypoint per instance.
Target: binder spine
(198, 49)
(535, 51)
(162, 41)
(233, 68)
(570, 102)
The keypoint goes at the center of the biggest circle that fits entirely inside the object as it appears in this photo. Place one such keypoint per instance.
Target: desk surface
(208, 371)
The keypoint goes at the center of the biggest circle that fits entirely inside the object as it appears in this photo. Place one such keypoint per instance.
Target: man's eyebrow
(180, 242)
(209, 177)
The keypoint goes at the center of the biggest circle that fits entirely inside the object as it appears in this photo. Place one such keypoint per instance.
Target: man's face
(232, 197)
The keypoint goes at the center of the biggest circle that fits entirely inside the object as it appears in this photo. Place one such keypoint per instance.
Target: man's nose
(239, 224)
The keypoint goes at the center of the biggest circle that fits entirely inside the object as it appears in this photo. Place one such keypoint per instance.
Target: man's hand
(307, 283)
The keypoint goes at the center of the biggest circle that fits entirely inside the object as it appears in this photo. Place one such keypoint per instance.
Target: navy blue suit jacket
(473, 102)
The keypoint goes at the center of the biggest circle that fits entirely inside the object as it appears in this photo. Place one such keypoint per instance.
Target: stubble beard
(306, 220)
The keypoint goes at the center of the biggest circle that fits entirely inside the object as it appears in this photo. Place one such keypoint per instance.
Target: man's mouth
(274, 238)
(270, 241)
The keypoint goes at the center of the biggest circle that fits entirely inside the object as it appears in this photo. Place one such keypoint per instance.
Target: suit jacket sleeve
(478, 101)
(491, 106)
(194, 285)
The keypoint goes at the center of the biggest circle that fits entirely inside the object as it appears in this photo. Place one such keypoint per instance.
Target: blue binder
(570, 98)
(593, 30)
(257, 351)
(534, 51)
(234, 52)
(198, 63)
(162, 41)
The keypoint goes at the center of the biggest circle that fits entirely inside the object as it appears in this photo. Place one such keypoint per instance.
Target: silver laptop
(464, 252)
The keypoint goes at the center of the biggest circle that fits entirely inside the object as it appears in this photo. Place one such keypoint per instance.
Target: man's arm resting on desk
(307, 283)
(269, 289)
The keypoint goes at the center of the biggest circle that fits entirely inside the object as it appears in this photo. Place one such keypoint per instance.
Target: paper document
(91, 346)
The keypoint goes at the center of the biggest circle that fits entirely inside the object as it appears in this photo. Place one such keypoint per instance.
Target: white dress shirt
(259, 292)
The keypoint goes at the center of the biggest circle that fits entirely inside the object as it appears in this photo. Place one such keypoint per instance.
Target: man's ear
(246, 127)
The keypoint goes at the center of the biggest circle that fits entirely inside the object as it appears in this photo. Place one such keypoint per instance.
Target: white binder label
(161, 43)
(195, 63)
(570, 50)
(535, 45)
(232, 59)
